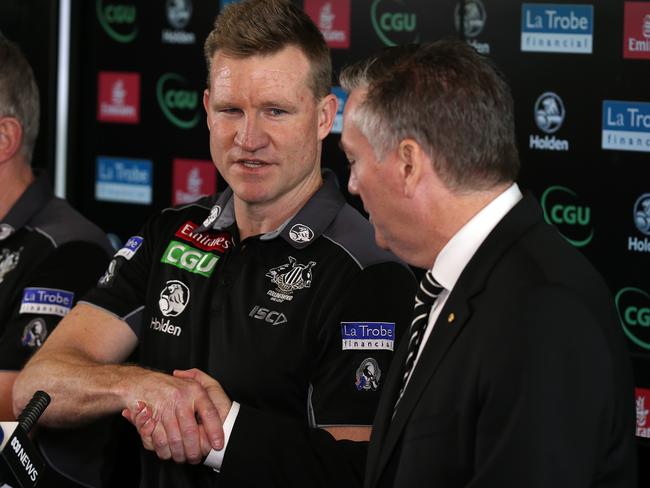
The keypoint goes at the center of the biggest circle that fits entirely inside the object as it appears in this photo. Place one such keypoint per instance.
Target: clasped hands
(179, 416)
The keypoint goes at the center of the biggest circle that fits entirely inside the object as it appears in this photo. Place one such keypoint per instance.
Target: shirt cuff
(215, 458)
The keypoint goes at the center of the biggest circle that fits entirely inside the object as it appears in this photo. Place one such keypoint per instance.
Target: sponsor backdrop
(579, 72)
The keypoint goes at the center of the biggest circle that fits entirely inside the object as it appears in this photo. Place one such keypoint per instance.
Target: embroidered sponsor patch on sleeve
(130, 248)
(47, 301)
(368, 335)
(34, 333)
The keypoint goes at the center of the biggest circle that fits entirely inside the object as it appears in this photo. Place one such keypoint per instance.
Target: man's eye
(276, 111)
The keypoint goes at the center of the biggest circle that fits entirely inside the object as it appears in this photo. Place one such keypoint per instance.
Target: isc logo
(189, 258)
(269, 316)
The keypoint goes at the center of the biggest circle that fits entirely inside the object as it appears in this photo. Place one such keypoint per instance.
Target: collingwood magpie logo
(288, 278)
(107, 277)
(368, 375)
(8, 261)
(214, 215)
(34, 334)
(174, 298)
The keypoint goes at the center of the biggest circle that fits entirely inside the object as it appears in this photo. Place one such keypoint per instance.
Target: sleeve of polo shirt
(289, 454)
(49, 292)
(121, 290)
(358, 343)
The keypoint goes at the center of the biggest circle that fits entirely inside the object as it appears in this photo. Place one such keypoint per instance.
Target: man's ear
(326, 113)
(413, 163)
(11, 138)
(206, 106)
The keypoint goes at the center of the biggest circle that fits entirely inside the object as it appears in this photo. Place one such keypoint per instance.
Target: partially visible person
(274, 289)
(515, 373)
(49, 253)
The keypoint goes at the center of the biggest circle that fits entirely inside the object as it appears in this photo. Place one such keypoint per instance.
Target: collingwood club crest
(368, 375)
(8, 261)
(288, 278)
(34, 334)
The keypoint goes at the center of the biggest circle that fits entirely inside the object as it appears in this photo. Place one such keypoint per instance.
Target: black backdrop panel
(594, 196)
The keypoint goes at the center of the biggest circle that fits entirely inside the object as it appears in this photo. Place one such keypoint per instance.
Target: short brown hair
(453, 101)
(255, 27)
(19, 93)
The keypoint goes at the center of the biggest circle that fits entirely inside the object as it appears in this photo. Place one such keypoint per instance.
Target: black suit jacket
(528, 384)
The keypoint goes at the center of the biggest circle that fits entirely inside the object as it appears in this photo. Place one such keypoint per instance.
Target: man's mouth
(251, 163)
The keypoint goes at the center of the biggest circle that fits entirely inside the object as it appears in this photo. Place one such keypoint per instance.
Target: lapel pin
(451, 317)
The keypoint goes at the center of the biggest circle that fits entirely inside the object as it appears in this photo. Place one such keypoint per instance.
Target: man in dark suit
(514, 372)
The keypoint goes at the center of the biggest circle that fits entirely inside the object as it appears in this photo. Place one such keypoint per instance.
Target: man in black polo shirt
(49, 253)
(274, 290)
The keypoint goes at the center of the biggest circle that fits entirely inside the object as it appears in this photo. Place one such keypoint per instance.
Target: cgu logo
(391, 22)
(116, 17)
(188, 258)
(563, 214)
(176, 102)
(633, 306)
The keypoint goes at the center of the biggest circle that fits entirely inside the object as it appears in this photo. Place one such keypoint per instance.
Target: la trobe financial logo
(555, 28)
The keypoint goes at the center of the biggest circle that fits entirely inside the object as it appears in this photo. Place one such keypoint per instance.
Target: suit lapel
(386, 433)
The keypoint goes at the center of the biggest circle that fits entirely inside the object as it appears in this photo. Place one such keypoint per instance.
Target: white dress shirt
(453, 258)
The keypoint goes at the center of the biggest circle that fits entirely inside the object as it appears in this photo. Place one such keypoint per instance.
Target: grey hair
(448, 98)
(19, 96)
(379, 134)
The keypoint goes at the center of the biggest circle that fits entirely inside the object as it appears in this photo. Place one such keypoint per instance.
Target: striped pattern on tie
(424, 300)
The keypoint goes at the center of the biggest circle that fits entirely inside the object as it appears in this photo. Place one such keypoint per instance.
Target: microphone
(16, 449)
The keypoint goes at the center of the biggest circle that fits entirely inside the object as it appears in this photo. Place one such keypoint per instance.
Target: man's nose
(251, 135)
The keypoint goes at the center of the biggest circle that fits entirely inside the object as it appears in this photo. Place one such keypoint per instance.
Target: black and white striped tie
(424, 300)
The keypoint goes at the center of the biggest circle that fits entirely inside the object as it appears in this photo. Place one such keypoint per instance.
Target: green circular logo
(117, 20)
(573, 221)
(633, 305)
(179, 104)
(393, 24)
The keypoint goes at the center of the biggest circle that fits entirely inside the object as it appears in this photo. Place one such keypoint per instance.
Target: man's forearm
(81, 389)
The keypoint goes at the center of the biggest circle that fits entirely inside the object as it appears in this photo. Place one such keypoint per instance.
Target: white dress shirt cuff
(215, 458)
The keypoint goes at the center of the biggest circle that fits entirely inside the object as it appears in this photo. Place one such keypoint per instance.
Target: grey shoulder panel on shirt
(61, 223)
(354, 234)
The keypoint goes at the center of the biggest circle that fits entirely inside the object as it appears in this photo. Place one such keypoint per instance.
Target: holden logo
(642, 214)
(474, 17)
(174, 298)
(301, 233)
(549, 112)
(179, 13)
